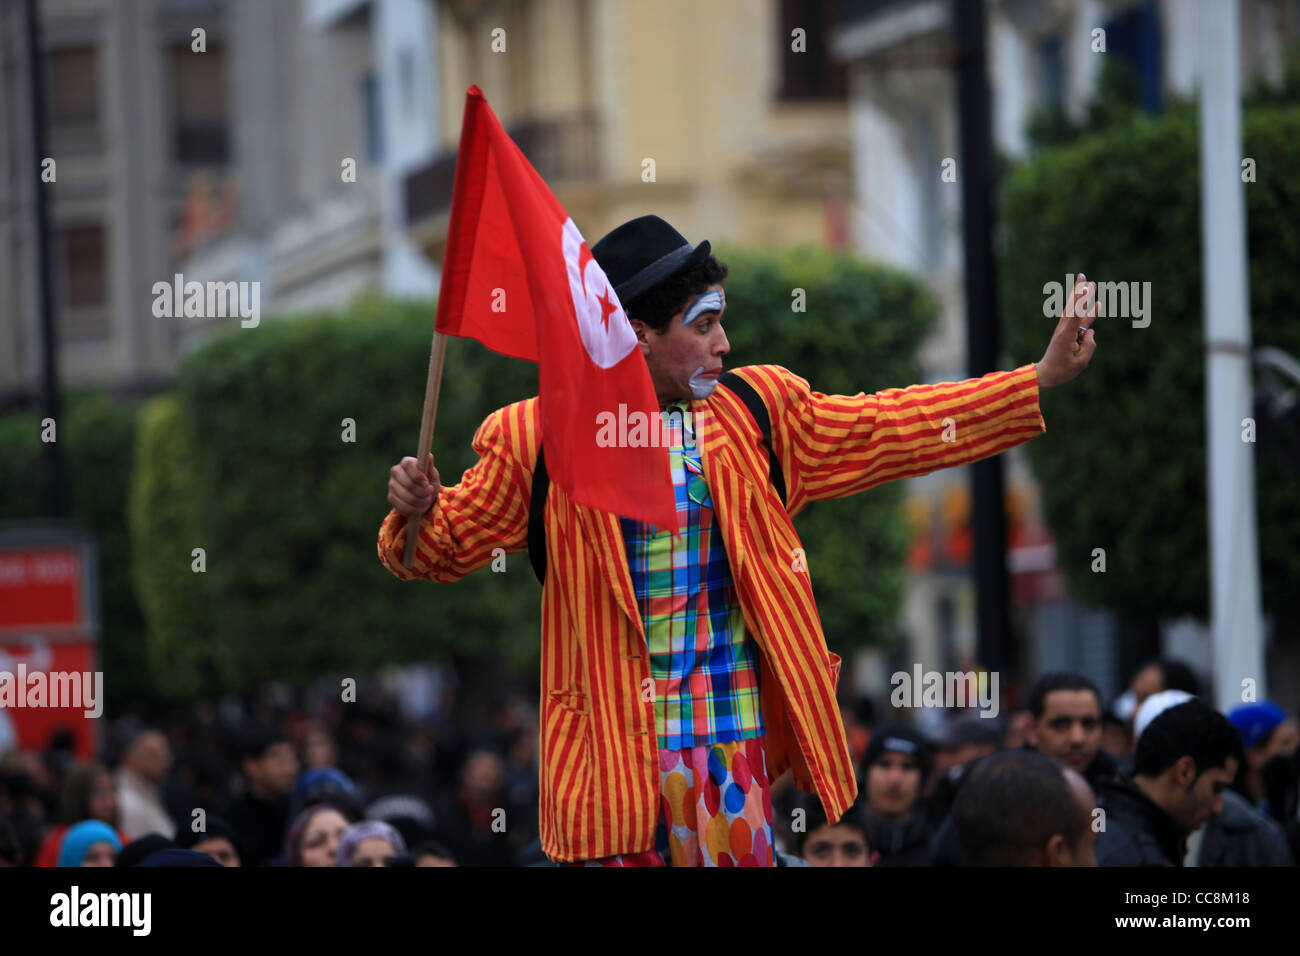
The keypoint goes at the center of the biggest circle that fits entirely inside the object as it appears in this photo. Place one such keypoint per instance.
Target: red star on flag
(607, 308)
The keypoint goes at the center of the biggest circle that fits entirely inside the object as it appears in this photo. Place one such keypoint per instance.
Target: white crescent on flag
(606, 333)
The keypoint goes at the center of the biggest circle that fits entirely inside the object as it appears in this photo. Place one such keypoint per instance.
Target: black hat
(898, 738)
(137, 851)
(643, 252)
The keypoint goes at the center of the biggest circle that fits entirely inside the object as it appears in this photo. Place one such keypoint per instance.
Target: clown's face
(685, 360)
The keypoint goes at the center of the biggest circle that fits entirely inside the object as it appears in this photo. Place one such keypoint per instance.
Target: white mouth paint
(702, 386)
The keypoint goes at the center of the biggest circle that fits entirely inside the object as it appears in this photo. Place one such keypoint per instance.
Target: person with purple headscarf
(369, 843)
(317, 831)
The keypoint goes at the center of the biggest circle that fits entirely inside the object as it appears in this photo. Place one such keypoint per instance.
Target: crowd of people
(1158, 778)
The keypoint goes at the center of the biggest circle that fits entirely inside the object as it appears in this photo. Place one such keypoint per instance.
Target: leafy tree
(1123, 204)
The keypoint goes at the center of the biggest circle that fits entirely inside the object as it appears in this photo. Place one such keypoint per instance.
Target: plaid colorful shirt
(703, 663)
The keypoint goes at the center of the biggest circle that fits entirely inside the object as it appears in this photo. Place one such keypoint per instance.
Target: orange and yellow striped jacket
(599, 764)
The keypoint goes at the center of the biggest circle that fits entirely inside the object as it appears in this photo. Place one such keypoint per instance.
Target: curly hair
(658, 304)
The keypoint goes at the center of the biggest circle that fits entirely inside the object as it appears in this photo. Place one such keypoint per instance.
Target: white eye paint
(701, 386)
(710, 301)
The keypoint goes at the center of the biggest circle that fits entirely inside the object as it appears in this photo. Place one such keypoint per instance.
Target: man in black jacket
(895, 766)
(260, 814)
(1185, 759)
(1066, 710)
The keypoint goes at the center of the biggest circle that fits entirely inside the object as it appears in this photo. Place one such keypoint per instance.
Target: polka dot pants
(715, 809)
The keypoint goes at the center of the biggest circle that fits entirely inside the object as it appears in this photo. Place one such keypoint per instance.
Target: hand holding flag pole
(427, 420)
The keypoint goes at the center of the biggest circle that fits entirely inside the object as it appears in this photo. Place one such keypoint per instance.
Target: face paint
(710, 301)
(702, 387)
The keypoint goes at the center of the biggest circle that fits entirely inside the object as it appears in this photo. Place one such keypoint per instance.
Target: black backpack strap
(542, 481)
(746, 393)
(537, 518)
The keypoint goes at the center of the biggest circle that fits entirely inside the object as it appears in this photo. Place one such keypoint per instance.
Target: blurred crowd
(1155, 778)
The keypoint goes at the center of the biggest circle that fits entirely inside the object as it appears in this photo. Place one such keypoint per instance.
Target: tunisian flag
(518, 276)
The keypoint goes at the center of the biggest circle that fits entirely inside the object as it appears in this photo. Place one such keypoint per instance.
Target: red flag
(518, 276)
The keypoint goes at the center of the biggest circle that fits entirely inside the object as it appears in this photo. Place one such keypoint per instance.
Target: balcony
(561, 149)
(868, 28)
(855, 11)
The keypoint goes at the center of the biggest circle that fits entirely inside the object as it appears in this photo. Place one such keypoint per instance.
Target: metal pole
(982, 334)
(1230, 476)
(55, 498)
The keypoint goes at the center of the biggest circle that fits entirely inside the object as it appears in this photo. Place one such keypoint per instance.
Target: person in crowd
(955, 748)
(1152, 678)
(467, 818)
(1282, 791)
(10, 855)
(1066, 725)
(139, 850)
(843, 844)
(1017, 730)
(369, 843)
(175, 856)
(1116, 737)
(433, 853)
(408, 814)
(89, 793)
(1266, 732)
(328, 785)
(1186, 757)
(89, 843)
(314, 837)
(260, 814)
(218, 839)
(22, 805)
(896, 765)
(319, 748)
(1240, 835)
(1021, 808)
(145, 762)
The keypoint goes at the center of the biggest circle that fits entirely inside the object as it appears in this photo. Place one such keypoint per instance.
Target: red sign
(41, 661)
(41, 588)
(49, 637)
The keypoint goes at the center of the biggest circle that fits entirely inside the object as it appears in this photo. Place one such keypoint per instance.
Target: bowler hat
(641, 253)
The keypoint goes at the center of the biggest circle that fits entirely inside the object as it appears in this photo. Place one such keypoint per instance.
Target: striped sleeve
(486, 511)
(838, 445)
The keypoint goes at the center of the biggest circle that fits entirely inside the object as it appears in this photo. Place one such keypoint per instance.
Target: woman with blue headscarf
(89, 843)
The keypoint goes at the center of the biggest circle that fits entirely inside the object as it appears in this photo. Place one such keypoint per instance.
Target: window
(1135, 37)
(200, 133)
(813, 74)
(74, 87)
(372, 116)
(1051, 72)
(81, 271)
(406, 81)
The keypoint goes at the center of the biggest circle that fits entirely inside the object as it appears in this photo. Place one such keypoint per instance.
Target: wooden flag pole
(426, 432)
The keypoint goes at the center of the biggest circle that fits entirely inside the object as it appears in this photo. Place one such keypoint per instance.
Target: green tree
(1128, 472)
(96, 434)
